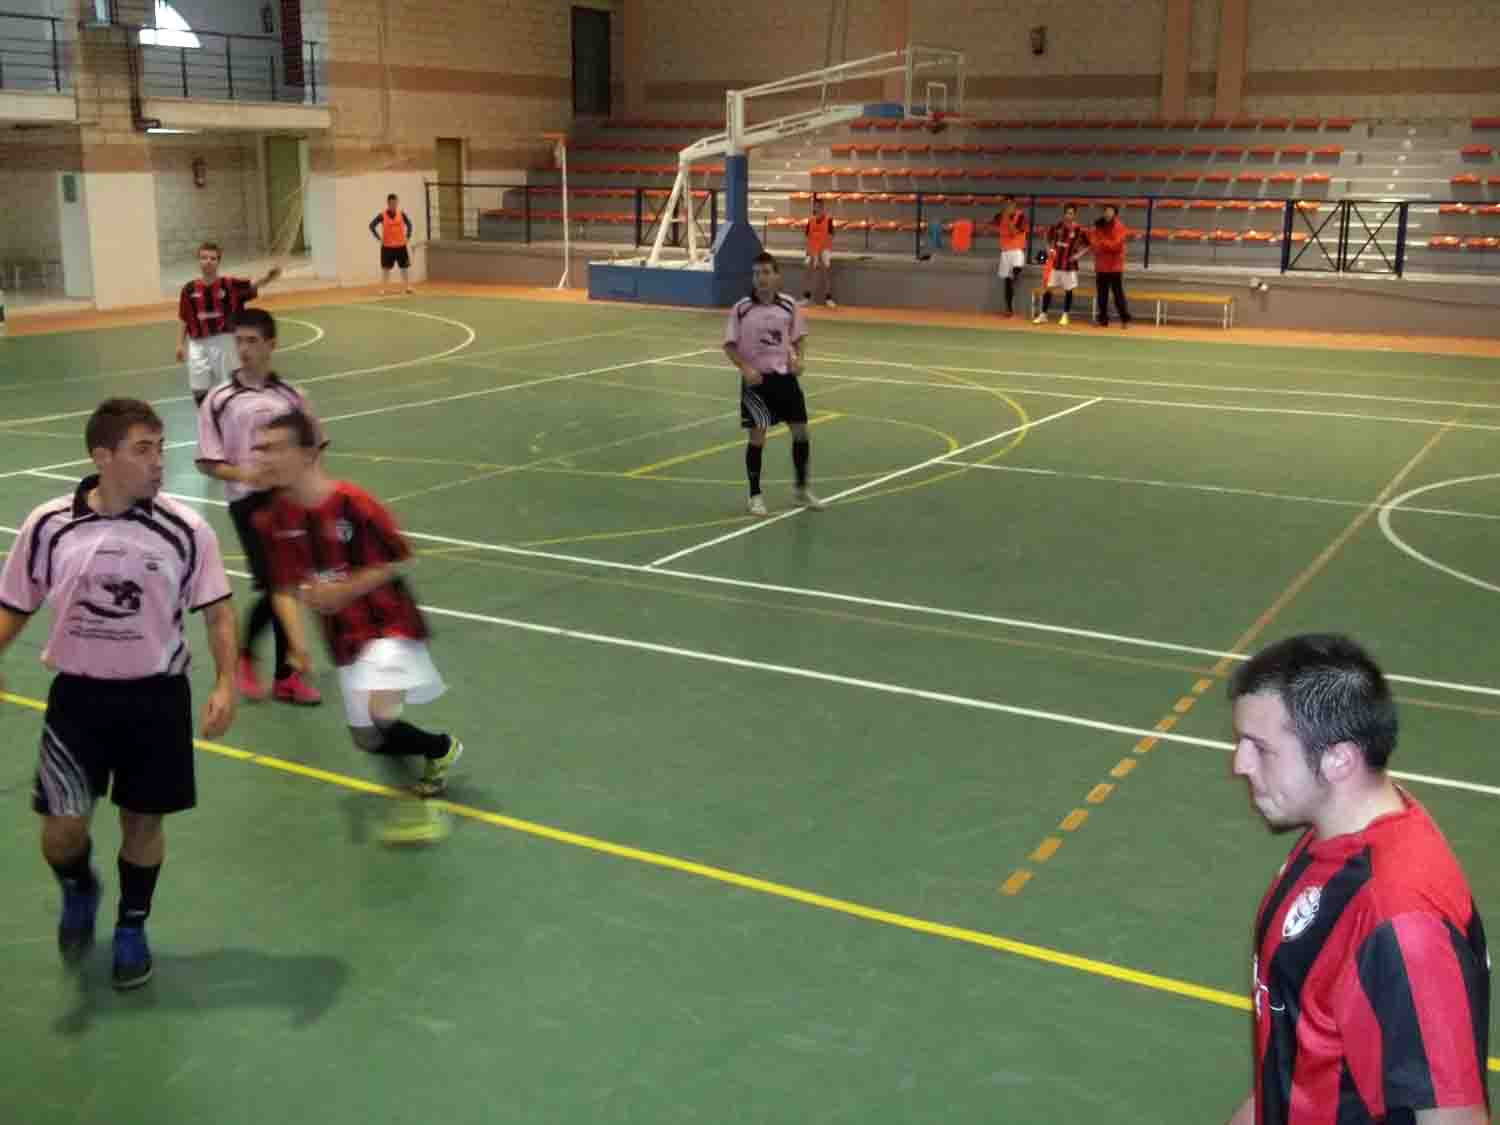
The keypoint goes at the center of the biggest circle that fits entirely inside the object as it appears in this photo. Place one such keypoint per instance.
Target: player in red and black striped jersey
(206, 312)
(1371, 975)
(338, 549)
(1067, 245)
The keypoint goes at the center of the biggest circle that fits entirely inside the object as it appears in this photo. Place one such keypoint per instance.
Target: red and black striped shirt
(347, 532)
(210, 308)
(1371, 978)
(1067, 243)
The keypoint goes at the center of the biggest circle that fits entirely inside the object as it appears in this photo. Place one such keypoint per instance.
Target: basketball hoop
(560, 157)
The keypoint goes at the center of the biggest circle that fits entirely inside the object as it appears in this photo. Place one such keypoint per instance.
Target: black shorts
(392, 256)
(242, 513)
(778, 399)
(136, 733)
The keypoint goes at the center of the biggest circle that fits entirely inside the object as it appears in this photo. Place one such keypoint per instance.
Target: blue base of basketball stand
(725, 283)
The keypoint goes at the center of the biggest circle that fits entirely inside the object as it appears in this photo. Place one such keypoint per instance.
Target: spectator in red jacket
(1108, 240)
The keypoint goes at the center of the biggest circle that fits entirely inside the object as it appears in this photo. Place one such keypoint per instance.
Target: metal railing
(1348, 236)
(245, 68)
(31, 53)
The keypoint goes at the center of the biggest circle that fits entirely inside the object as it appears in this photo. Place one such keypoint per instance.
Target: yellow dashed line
(1045, 850)
(1184, 705)
(1167, 723)
(1201, 686)
(1013, 885)
(1125, 766)
(1074, 820)
(1099, 792)
(1145, 745)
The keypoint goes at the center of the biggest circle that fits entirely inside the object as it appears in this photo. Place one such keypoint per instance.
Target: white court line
(1406, 548)
(544, 380)
(675, 555)
(1218, 489)
(318, 334)
(470, 356)
(880, 686)
(378, 369)
(833, 357)
(814, 593)
(1231, 408)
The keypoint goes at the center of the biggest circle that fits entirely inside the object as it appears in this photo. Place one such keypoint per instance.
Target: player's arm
(375, 227)
(405, 218)
(184, 310)
(224, 643)
(797, 352)
(265, 279)
(1245, 1115)
(11, 624)
(732, 351)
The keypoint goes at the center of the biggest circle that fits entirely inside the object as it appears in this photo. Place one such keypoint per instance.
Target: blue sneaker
(132, 957)
(75, 931)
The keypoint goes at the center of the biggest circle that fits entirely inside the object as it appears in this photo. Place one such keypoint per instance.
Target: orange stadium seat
(1494, 181)
(1185, 123)
(892, 149)
(1171, 204)
(1282, 178)
(1267, 205)
(1264, 152)
(887, 124)
(1155, 177)
(1186, 176)
(954, 174)
(862, 123)
(944, 150)
(1094, 176)
(1308, 123)
(982, 174)
(871, 172)
(1203, 205)
(1245, 123)
(907, 198)
(1260, 236)
(1188, 234)
(918, 149)
(1222, 234)
(1200, 150)
(1476, 150)
(1080, 150)
(1109, 150)
(1329, 150)
(1217, 177)
(841, 149)
(1124, 176)
(1237, 205)
(857, 224)
(1316, 178)
(1484, 242)
(970, 149)
(1339, 123)
(996, 150)
(1444, 242)
(1465, 179)
(1062, 175)
(1294, 150)
(1250, 178)
(821, 170)
(1162, 234)
(1275, 122)
(867, 149)
(1485, 123)
(1168, 150)
(1490, 209)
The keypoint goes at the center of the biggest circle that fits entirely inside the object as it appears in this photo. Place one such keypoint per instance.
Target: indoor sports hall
(917, 808)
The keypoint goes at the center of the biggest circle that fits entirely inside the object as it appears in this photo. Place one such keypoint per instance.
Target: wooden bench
(1160, 300)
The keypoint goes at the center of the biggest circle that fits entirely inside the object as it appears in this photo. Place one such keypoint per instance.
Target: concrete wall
(28, 222)
(228, 209)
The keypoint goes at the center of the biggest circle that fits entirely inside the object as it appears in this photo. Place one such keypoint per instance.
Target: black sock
(753, 456)
(279, 638)
(807, 294)
(1046, 300)
(75, 875)
(1010, 293)
(402, 740)
(136, 887)
(801, 454)
(1068, 301)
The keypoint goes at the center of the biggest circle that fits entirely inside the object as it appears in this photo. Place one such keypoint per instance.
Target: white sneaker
(757, 506)
(806, 499)
(831, 303)
(1063, 320)
(1040, 318)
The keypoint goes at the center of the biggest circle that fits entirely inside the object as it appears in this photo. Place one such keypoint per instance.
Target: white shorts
(388, 664)
(211, 361)
(1066, 280)
(822, 258)
(1011, 260)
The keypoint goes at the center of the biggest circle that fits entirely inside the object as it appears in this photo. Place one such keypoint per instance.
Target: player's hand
(181, 353)
(218, 712)
(273, 273)
(324, 597)
(753, 378)
(301, 660)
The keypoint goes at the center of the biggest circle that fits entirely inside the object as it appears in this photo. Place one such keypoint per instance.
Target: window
(171, 29)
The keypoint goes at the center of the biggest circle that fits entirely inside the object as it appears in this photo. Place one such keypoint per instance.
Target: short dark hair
(302, 428)
(766, 258)
(258, 319)
(214, 246)
(1070, 206)
(1333, 690)
(392, 196)
(112, 419)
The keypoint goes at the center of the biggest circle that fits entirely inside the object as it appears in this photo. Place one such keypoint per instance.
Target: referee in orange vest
(392, 227)
(819, 255)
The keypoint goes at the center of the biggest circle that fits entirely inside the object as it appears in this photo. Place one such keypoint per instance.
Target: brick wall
(227, 209)
(28, 222)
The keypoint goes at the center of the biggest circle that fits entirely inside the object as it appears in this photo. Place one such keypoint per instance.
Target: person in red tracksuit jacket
(1108, 240)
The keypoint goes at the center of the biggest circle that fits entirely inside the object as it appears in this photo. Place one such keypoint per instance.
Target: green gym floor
(914, 810)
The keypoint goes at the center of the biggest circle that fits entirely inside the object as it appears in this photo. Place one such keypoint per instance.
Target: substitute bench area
(1165, 303)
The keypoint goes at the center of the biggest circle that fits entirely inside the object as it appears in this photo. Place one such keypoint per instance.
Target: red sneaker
(246, 680)
(294, 689)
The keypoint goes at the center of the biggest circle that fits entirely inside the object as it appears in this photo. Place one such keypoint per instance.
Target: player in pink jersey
(764, 339)
(121, 568)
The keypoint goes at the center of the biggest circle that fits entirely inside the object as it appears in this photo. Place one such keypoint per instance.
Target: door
(284, 203)
(590, 62)
(450, 200)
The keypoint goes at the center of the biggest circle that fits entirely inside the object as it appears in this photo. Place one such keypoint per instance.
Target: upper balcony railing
(213, 65)
(32, 56)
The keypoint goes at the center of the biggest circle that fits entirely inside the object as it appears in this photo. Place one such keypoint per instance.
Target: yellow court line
(1027, 950)
(721, 447)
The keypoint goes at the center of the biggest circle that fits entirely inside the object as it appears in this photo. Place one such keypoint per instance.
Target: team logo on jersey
(772, 339)
(344, 530)
(125, 597)
(1302, 913)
